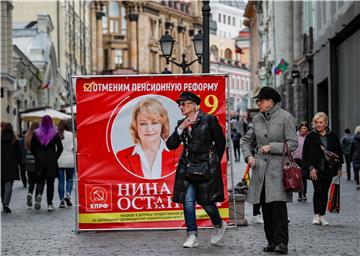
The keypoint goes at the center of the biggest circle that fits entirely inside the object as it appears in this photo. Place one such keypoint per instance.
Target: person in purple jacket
(303, 130)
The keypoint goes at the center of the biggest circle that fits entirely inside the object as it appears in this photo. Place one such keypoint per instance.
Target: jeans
(190, 212)
(6, 191)
(23, 175)
(356, 174)
(69, 181)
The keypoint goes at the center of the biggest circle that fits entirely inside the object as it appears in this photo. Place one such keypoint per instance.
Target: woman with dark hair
(66, 164)
(10, 160)
(46, 146)
(30, 168)
(303, 130)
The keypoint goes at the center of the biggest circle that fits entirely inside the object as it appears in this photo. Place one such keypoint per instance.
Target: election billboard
(125, 171)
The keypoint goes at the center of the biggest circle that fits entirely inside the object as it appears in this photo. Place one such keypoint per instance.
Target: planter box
(240, 209)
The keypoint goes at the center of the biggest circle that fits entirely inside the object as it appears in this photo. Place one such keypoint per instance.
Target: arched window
(214, 52)
(228, 54)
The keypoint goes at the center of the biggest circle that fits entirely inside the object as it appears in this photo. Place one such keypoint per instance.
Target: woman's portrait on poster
(149, 129)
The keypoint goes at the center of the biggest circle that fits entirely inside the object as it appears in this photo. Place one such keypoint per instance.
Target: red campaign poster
(116, 188)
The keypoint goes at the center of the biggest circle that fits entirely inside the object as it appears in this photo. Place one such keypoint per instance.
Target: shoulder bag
(292, 175)
(330, 157)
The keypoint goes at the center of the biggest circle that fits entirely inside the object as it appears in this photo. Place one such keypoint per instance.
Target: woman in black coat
(204, 146)
(321, 173)
(46, 147)
(10, 160)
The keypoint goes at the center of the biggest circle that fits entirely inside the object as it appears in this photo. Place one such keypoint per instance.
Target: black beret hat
(268, 93)
(189, 96)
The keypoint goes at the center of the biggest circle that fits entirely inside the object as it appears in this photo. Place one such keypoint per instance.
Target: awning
(37, 115)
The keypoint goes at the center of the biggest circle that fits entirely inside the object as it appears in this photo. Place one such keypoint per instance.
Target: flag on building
(281, 67)
(47, 81)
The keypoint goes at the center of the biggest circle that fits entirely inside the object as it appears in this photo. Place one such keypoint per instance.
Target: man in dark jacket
(345, 146)
(198, 175)
(355, 155)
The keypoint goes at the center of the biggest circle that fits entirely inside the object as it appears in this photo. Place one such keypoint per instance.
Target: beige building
(71, 33)
(126, 34)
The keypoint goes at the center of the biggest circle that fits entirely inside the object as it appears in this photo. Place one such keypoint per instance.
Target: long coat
(270, 128)
(10, 159)
(355, 151)
(46, 165)
(313, 155)
(206, 135)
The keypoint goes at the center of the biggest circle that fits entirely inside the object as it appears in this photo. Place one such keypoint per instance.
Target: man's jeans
(190, 213)
(69, 181)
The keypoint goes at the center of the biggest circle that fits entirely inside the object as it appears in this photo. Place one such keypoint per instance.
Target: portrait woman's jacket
(46, 157)
(132, 162)
(313, 155)
(206, 136)
(10, 158)
(270, 128)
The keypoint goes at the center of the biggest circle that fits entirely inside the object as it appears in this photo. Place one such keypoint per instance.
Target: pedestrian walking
(345, 146)
(204, 146)
(10, 160)
(270, 129)
(355, 155)
(235, 137)
(302, 132)
(23, 160)
(30, 163)
(46, 146)
(66, 164)
(321, 173)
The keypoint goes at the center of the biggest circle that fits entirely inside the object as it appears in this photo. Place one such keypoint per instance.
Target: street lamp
(167, 45)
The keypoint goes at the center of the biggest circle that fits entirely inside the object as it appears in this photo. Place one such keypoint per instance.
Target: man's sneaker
(29, 200)
(51, 208)
(218, 233)
(316, 220)
(258, 219)
(304, 198)
(7, 209)
(191, 241)
(62, 204)
(67, 200)
(37, 205)
(323, 221)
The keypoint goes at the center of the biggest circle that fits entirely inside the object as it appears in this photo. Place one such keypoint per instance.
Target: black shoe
(7, 209)
(62, 204)
(281, 249)
(304, 198)
(269, 248)
(300, 199)
(67, 200)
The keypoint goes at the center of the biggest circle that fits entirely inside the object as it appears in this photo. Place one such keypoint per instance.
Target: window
(114, 21)
(118, 58)
(228, 54)
(214, 52)
(233, 21)
(224, 18)
(113, 9)
(219, 18)
(229, 19)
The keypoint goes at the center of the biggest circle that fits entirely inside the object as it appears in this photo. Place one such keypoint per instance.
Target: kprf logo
(98, 197)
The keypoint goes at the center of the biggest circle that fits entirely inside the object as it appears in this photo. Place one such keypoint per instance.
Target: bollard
(240, 209)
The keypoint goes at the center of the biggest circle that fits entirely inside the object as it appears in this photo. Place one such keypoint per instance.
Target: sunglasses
(183, 103)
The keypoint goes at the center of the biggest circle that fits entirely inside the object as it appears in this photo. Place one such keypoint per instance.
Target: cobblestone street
(30, 232)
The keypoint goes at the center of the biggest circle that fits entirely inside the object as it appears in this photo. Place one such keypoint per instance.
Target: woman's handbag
(292, 174)
(334, 196)
(332, 158)
(198, 171)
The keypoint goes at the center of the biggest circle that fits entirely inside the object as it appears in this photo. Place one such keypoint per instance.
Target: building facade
(336, 63)
(8, 81)
(229, 52)
(126, 34)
